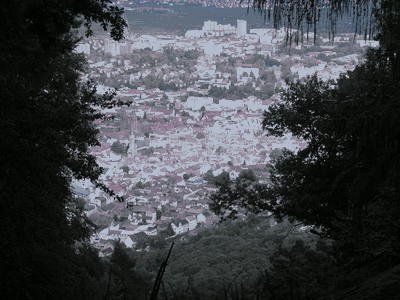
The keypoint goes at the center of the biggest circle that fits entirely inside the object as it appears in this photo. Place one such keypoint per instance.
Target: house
(89, 209)
(180, 226)
(196, 180)
(205, 218)
(149, 213)
(130, 203)
(128, 242)
(192, 222)
(134, 219)
(106, 252)
(99, 201)
(168, 216)
(162, 226)
(101, 245)
(79, 190)
(115, 231)
(201, 218)
(245, 73)
(151, 230)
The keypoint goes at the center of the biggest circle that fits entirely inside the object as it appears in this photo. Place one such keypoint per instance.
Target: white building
(192, 222)
(241, 27)
(193, 34)
(209, 25)
(195, 103)
(267, 50)
(83, 48)
(99, 201)
(112, 47)
(211, 29)
(265, 36)
(151, 230)
(201, 218)
(246, 73)
(125, 48)
(180, 226)
(115, 48)
(368, 43)
(212, 49)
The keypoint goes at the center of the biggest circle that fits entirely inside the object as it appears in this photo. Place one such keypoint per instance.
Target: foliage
(235, 198)
(144, 242)
(46, 124)
(346, 177)
(347, 172)
(300, 272)
(124, 282)
(230, 261)
(372, 19)
(239, 92)
(152, 82)
(303, 17)
(169, 231)
(271, 62)
(221, 179)
(173, 55)
(209, 176)
(119, 148)
(276, 154)
(146, 151)
(186, 176)
(125, 169)
(200, 135)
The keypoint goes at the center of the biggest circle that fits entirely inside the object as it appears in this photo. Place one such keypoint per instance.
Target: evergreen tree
(122, 274)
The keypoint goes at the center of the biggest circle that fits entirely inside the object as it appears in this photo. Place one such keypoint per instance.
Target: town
(192, 109)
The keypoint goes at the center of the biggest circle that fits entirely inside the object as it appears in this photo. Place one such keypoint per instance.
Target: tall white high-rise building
(241, 27)
(83, 48)
(112, 47)
(209, 25)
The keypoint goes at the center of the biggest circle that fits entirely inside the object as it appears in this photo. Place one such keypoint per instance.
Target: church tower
(132, 135)
(123, 120)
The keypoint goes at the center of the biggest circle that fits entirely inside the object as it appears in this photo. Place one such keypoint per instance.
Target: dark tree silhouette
(46, 127)
(345, 182)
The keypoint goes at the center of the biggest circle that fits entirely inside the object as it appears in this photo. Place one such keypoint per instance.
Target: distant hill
(151, 17)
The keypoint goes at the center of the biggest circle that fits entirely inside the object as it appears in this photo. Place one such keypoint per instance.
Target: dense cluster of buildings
(214, 3)
(213, 29)
(157, 152)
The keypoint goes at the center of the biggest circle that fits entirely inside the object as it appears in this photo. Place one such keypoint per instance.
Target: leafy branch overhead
(372, 19)
(305, 16)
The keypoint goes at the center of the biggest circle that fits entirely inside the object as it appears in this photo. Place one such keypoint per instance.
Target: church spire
(132, 135)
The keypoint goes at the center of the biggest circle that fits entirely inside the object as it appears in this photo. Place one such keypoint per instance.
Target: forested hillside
(253, 259)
